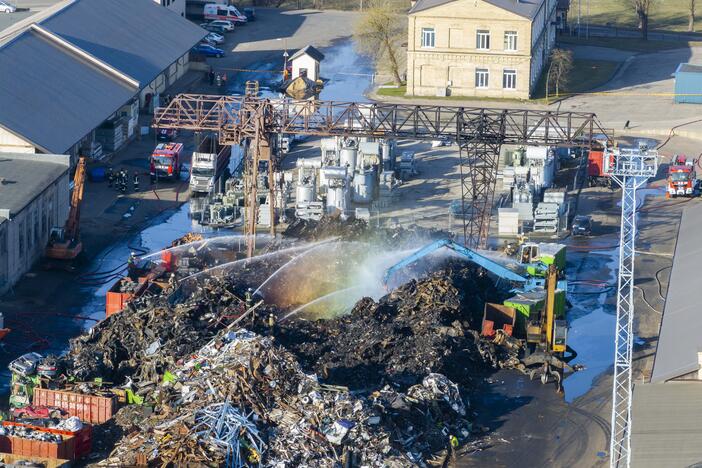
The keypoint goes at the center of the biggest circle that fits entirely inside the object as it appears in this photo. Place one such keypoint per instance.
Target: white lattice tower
(630, 169)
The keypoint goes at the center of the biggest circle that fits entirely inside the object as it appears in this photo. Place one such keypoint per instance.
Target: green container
(553, 254)
(527, 305)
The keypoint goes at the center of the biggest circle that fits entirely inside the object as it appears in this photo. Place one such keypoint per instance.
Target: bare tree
(380, 34)
(691, 9)
(558, 70)
(642, 8)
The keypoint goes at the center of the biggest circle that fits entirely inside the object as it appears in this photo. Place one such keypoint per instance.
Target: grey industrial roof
(666, 429)
(23, 176)
(309, 50)
(689, 68)
(138, 37)
(525, 8)
(681, 329)
(69, 67)
(50, 96)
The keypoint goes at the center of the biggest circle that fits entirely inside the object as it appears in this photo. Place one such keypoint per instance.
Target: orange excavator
(64, 242)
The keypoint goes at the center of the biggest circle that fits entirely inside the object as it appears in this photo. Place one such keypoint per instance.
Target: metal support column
(630, 169)
(480, 140)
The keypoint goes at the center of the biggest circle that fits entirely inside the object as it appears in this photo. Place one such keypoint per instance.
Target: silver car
(7, 7)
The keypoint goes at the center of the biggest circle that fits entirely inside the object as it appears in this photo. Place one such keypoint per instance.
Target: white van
(217, 11)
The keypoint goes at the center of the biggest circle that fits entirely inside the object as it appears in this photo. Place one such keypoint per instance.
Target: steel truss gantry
(630, 169)
(479, 132)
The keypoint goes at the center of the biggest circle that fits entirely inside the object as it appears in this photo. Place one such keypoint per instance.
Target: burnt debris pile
(423, 326)
(376, 387)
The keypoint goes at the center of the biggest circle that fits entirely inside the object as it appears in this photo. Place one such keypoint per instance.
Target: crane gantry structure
(479, 132)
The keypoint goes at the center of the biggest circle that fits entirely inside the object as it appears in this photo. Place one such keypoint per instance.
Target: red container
(83, 439)
(89, 408)
(115, 301)
(36, 448)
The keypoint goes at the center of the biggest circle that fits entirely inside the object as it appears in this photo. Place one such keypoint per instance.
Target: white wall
(307, 62)
(9, 143)
(33, 224)
(178, 6)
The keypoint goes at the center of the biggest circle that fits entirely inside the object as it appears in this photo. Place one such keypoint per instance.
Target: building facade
(34, 197)
(478, 48)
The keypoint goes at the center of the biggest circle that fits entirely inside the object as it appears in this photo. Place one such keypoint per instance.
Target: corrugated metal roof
(689, 68)
(525, 8)
(24, 176)
(138, 37)
(666, 429)
(681, 329)
(51, 97)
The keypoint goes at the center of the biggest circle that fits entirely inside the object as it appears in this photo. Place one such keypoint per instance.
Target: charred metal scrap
(243, 401)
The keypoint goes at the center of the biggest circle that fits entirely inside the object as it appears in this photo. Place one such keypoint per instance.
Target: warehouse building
(34, 197)
(77, 75)
(679, 350)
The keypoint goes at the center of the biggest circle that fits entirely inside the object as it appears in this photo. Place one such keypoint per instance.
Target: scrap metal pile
(146, 339)
(242, 400)
(423, 326)
(373, 388)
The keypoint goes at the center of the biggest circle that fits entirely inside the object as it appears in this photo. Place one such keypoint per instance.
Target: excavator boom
(64, 244)
(471, 255)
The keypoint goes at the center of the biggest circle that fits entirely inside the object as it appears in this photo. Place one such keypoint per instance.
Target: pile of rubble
(241, 399)
(423, 326)
(146, 339)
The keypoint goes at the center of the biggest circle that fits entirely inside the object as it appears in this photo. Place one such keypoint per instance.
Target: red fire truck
(165, 161)
(681, 178)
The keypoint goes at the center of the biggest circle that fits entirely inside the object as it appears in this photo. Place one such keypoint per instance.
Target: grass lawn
(394, 92)
(626, 43)
(669, 15)
(586, 75)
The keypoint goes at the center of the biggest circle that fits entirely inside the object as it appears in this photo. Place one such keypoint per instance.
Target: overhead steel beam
(479, 132)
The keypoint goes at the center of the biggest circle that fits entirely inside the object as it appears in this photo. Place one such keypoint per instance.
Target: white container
(337, 200)
(330, 173)
(508, 221)
(349, 157)
(305, 193)
(363, 187)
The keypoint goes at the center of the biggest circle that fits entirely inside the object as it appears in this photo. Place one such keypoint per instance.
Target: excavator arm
(471, 255)
(73, 222)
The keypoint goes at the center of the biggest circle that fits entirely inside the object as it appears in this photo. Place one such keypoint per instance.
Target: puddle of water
(592, 325)
(349, 75)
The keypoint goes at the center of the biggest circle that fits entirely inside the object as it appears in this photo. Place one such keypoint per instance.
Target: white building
(176, 6)
(305, 62)
(34, 197)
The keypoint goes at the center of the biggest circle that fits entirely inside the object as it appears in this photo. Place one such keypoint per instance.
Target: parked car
(227, 25)
(214, 38)
(167, 134)
(7, 7)
(250, 14)
(582, 226)
(208, 50)
(213, 28)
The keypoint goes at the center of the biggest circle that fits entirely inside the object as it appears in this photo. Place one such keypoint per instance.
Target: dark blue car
(208, 50)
